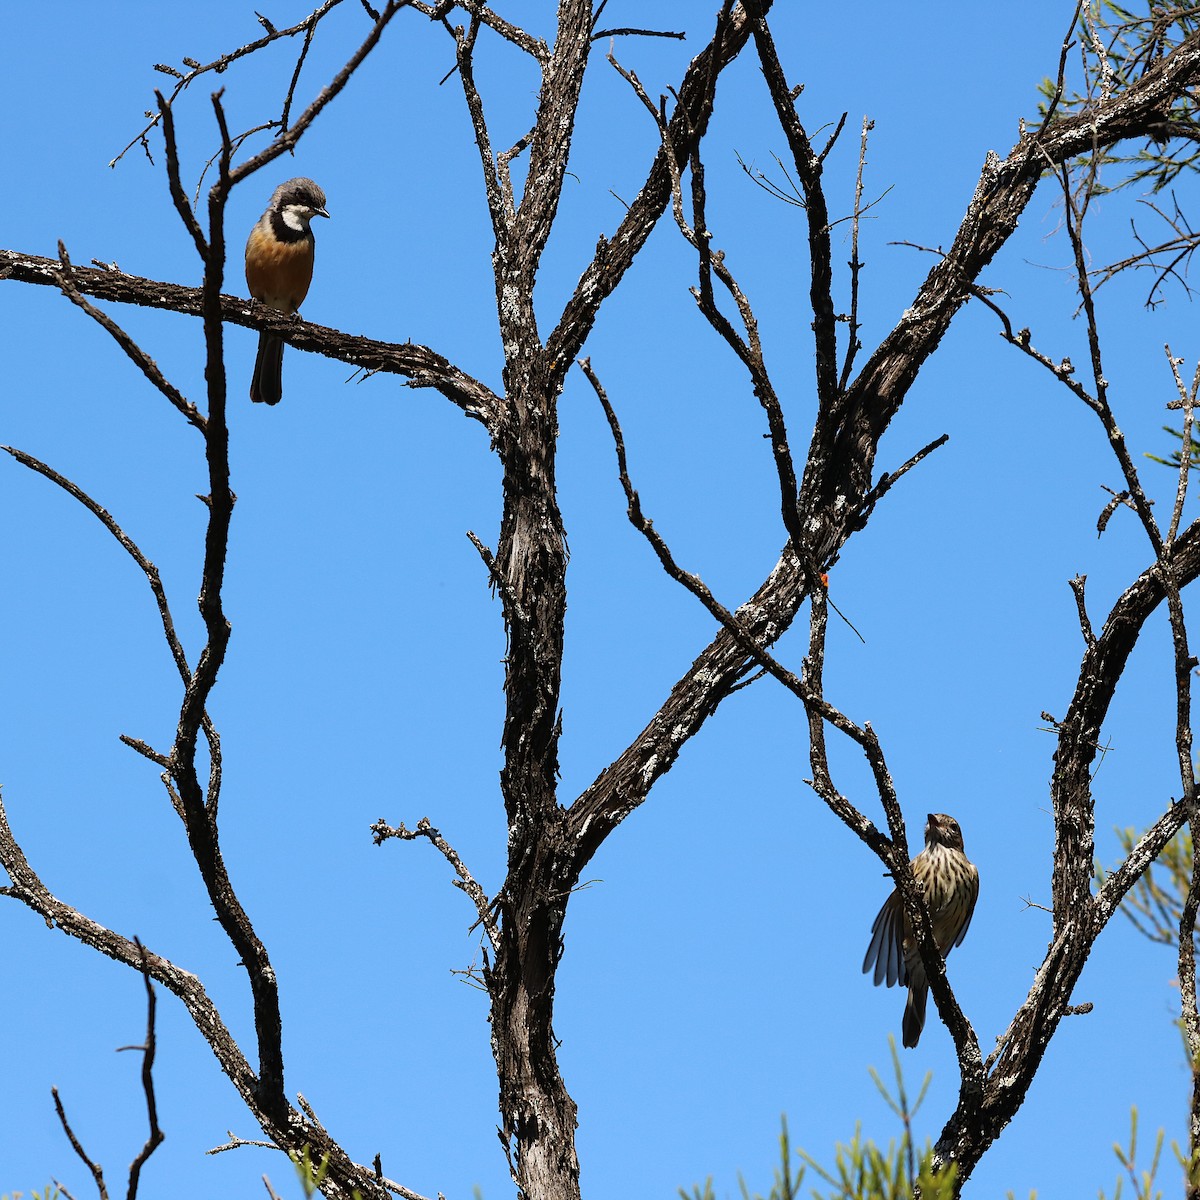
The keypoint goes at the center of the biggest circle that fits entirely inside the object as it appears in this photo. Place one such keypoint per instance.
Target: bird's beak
(320, 212)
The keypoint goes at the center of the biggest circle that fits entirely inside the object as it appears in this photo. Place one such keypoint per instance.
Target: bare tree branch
(381, 831)
(294, 1131)
(425, 368)
(154, 579)
(844, 445)
(133, 351)
(95, 1168)
(746, 345)
(1077, 586)
(536, 48)
(155, 1137)
(1075, 209)
(1187, 401)
(220, 65)
(893, 854)
(615, 255)
(1079, 917)
(175, 184)
(853, 344)
(288, 138)
(601, 34)
(127, 544)
(808, 166)
(500, 205)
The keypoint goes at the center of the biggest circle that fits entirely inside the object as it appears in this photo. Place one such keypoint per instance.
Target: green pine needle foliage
(861, 1170)
(1155, 903)
(1118, 46)
(1142, 1182)
(1177, 455)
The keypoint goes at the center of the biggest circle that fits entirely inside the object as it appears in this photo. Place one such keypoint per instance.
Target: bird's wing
(886, 951)
(962, 933)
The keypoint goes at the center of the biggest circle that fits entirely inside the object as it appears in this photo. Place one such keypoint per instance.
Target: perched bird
(951, 889)
(279, 267)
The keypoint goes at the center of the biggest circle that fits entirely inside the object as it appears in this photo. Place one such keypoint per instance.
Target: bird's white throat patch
(296, 216)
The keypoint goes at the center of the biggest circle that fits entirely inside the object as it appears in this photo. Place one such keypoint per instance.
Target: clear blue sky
(711, 980)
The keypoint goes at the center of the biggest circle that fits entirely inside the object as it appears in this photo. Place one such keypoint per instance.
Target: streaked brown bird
(279, 267)
(951, 889)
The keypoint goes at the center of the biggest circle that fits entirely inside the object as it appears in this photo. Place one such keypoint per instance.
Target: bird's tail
(266, 386)
(914, 1014)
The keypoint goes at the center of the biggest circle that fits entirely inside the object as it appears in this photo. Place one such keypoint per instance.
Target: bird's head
(297, 201)
(941, 829)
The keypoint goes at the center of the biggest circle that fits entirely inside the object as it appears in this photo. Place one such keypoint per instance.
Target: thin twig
(1085, 624)
(198, 802)
(151, 572)
(499, 582)
(1181, 248)
(809, 167)
(797, 685)
(889, 478)
(853, 344)
(133, 351)
(600, 34)
(746, 345)
(501, 207)
(220, 65)
(236, 1143)
(95, 1168)
(155, 1137)
(178, 196)
(1060, 83)
(892, 853)
(288, 138)
(284, 117)
(1187, 401)
(1075, 211)
(381, 831)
